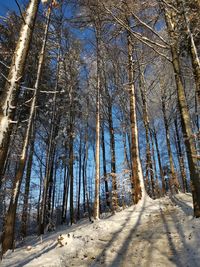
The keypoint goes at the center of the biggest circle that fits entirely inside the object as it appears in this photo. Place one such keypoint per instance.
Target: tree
(11, 91)
(7, 237)
(171, 23)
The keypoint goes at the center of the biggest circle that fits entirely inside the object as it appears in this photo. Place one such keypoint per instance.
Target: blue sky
(6, 5)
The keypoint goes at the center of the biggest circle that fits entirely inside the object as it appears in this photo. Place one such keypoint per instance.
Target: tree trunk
(113, 158)
(80, 172)
(181, 158)
(8, 232)
(159, 163)
(185, 116)
(85, 172)
(137, 177)
(71, 162)
(157, 190)
(126, 159)
(104, 165)
(149, 165)
(97, 151)
(50, 187)
(54, 190)
(10, 93)
(65, 195)
(27, 186)
(193, 51)
(173, 177)
(50, 152)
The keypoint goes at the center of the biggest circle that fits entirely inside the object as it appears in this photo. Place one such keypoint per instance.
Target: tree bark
(149, 165)
(27, 186)
(8, 232)
(104, 165)
(193, 50)
(181, 158)
(9, 96)
(80, 172)
(97, 151)
(184, 114)
(173, 182)
(137, 177)
(159, 163)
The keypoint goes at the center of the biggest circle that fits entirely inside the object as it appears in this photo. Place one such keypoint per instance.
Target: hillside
(156, 233)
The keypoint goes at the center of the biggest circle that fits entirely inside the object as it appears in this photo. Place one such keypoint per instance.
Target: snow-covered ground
(154, 233)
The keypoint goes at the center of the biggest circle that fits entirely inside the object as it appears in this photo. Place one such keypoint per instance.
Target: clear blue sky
(6, 5)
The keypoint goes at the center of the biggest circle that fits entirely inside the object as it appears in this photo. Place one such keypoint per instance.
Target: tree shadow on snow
(164, 226)
(124, 247)
(35, 255)
(184, 254)
(184, 206)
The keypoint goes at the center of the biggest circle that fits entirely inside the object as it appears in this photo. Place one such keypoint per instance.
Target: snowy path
(155, 233)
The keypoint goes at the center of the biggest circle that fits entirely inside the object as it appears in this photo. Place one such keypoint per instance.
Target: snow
(154, 233)
(3, 127)
(44, 1)
(15, 191)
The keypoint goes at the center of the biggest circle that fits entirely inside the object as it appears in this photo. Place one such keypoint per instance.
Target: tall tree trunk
(71, 162)
(50, 187)
(157, 190)
(149, 165)
(50, 152)
(9, 225)
(104, 165)
(9, 95)
(113, 158)
(85, 171)
(65, 194)
(181, 157)
(184, 114)
(126, 159)
(159, 163)
(27, 186)
(97, 151)
(39, 197)
(83, 175)
(137, 177)
(80, 172)
(173, 177)
(54, 190)
(193, 50)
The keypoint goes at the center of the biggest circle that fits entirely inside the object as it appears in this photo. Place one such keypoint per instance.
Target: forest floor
(153, 233)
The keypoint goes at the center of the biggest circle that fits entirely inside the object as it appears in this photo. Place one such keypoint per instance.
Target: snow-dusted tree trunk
(149, 164)
(193, 51)
(10, 93)
(97, 152)
(137, 175)
(9, 223)
(171, 21)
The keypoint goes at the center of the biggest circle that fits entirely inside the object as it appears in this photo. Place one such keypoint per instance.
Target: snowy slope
(153, 233)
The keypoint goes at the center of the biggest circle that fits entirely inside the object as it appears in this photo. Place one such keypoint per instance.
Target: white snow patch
(44, 1)
(3, 127)
(157, 232)
(15, 191)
